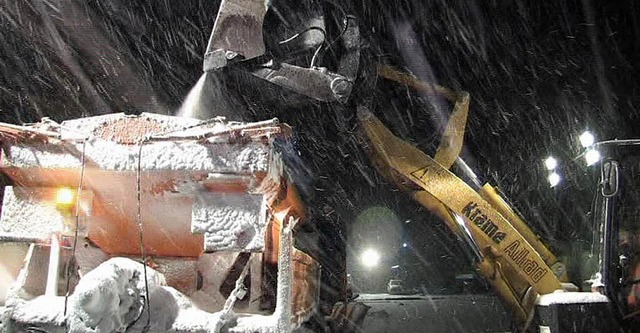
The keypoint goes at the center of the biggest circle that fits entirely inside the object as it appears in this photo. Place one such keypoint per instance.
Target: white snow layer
(104, 153)
(24, 215)
(107, 155)
(40, 310)
(230, 221)
(111, 297)
(564, 297)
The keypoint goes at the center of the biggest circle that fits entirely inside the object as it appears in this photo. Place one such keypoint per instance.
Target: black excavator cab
(617, 223)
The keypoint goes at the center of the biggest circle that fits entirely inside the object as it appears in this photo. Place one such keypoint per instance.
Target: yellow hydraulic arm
(515, 262)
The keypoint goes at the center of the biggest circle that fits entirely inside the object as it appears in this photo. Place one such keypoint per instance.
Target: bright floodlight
(587, 139)
(64, 196)
(370, 258)
(405, 244)
(554, 179)
(592, 156)
(550, 163)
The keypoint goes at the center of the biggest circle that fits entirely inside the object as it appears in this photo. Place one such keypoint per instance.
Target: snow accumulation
(105, 153)
(40, 310)
(111, 298)
(22, 213)
(105, 308)
(167, 155)
(564, 297)
(230, 221)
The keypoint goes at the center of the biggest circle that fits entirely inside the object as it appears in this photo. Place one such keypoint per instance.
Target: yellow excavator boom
(513, 259)
(449, 150)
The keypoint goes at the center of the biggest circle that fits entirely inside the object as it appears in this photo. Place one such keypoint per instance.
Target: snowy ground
(450, 313)
(112, 298)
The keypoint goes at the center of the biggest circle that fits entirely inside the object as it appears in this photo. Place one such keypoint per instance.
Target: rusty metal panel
(306, 286)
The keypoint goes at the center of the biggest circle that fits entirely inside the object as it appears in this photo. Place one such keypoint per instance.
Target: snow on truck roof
(170, 143)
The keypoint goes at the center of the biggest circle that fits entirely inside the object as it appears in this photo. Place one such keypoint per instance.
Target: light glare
(554, 179)
(370, 258)
(587, 139)
(550, 163)
(592, 156)
(64, 196)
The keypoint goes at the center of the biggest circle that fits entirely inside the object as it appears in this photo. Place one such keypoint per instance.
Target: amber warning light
(65, 200)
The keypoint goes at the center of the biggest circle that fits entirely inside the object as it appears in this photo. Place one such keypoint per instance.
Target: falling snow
(538, 73)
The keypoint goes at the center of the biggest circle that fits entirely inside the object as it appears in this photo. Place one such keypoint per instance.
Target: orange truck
(201, 202)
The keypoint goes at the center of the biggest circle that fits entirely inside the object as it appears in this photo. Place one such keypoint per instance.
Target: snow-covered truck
(205, 205)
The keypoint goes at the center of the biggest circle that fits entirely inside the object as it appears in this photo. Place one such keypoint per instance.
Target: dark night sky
(539, 73)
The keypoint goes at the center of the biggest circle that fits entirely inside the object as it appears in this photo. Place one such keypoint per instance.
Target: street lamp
(550, 163)
(586, 139)
(554, 179)
(370, 258)
(592, 156)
